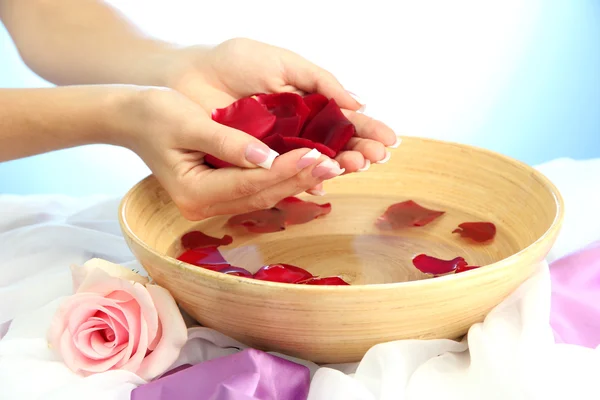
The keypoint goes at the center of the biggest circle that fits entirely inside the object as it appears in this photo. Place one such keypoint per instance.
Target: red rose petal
(315, 102)
(298, 211)
(199, 257)
(283, 273)
(477, 231)
(247, 115)
(406, 214)
(436, 266)
(261, 221)
(283, 144)
(237, 271)
(330, 127)
(330, 280)
(290, 110)
(463, 268)
(197, 239)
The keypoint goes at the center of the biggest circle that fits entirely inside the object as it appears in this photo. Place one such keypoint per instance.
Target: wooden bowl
(388, 298)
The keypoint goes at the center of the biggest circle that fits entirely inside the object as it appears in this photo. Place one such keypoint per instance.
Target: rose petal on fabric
(330, 280)
(283, 144)
(197, 239)
(436, 266)
(261, 221)
(237, 271)
(173, 334)
(298, 211)
(406, 214)
(290, 110)
(477, 231)
(283, 273)
(315, 102)
(202, 257)
(330, 127)
(246, 115)
(463, 268)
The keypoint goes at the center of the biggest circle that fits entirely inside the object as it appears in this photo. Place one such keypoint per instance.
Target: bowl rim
(552, 230)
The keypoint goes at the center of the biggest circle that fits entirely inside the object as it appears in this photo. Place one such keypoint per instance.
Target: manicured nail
(386, 158)
(366, 166)
(396, 143)
(261, 155)
(327, 169)
(358, 99)
(316, 192)
(309, 159)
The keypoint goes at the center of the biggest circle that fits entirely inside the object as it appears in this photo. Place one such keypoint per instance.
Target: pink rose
(117, 320)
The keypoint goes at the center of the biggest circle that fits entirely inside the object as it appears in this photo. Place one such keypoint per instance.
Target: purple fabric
(575, 309)
(247, 375)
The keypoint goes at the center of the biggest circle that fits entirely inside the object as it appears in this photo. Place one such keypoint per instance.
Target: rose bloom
(117, 320)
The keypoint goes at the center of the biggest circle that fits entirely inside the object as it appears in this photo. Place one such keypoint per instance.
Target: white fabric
(511, 355)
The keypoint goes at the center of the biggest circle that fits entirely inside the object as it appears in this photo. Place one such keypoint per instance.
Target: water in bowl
(347, 243)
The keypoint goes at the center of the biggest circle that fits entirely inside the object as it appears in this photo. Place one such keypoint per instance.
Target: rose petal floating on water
(286, 121)
(237, 271)
(197, 239)
(436, 266)
(298, 211)
(477, 231)
(330, 280)
(406, 214)
(199, 257)
(463, 268)
(283, 273)
(261, 221)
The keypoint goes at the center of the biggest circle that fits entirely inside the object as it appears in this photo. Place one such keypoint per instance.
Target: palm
(241, 67)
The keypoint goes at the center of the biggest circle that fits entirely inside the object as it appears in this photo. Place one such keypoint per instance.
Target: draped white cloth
(511, 355)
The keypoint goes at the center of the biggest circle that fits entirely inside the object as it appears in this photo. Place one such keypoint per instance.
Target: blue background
(545, 105)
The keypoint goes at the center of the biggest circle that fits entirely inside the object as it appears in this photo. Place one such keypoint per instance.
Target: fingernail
(327, 169)
(366, 166)
(309, 159)
(261, 155)
(358, 99)
(386, 158)
(396, 143)
(316, 192)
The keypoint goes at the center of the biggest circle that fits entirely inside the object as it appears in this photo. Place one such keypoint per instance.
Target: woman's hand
(172, 134)
(216, 77)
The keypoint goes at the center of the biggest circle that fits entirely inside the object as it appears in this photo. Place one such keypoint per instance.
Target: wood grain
(339, 324)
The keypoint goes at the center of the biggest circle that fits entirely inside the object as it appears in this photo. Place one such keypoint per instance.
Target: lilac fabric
(248, 375)
(575, 307)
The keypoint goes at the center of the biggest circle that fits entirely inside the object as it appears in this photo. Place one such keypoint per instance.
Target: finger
(369, 128)
(353, 161)
(210, 186)
(230, 145)
(269, 197)
(311, 78)
(316, 190)
(372, 150)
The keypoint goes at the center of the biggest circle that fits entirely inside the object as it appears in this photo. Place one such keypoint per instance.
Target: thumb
(234, 146)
